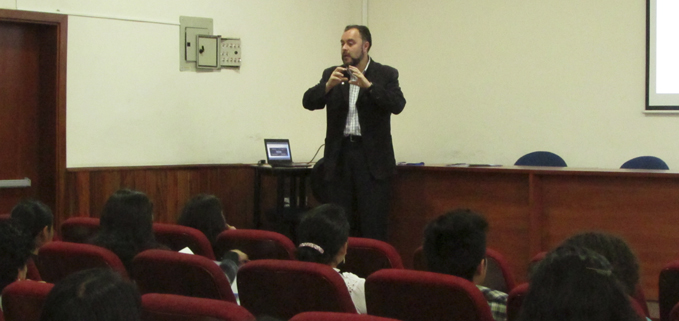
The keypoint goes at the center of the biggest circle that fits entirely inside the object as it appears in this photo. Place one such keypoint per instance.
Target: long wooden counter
(530, 209)
(533, 209)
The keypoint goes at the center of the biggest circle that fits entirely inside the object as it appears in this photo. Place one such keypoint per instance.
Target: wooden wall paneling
(420, 195)
(641, 210)
(536, 233)
(409, 210)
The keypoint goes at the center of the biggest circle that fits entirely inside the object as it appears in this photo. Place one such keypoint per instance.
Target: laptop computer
(279, 154)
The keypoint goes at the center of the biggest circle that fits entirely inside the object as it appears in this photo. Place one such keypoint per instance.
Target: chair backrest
(418, 295)
(668, 289)
(645, 162)
(674, 314)
(5, 217)
(365, 256)
(515, 301)
(284, 288)
(541, 159)
(162, 271)
(23, 300)
(498, 276)
(79, 229)
(57, 260)
(640, 298)
(257, 244)
(171, 307)
(337, 316)
(177, 237)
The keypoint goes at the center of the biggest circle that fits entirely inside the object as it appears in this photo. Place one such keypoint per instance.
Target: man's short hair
(364, 31)
(455, 243)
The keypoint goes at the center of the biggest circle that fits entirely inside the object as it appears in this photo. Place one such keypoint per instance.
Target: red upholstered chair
(57, 260)
(337, 316)
(498, 277)
(416, 295)
(32, 272)
(161, 271)
(257, 244)
(674, 314)
(365, 256)
(5, 217)
(79, 229)
(515, 301)
(177, 237)
(23, 300)
(284, 288)
(668, 289)
(170, 307)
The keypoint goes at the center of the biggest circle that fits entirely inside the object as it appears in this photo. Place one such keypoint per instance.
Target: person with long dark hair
(15, 249)
(323, 236)
(126, 225)
(93, 295)
(36, 219)
(204, 213)
(576, 284)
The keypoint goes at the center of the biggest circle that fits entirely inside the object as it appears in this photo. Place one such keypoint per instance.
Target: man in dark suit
(360, 97)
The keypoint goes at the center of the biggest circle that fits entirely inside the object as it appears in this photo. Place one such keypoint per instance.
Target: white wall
(7, 4)
(485, 81)
(491, 80)
(128, 103)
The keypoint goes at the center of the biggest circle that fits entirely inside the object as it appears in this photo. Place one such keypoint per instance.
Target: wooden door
(32, 106)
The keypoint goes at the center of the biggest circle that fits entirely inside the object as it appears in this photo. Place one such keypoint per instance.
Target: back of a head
(322, 233)
(616, 251)
(128, 214)
(575, 284)
(15, 249)
(455, 243)
(204, 213)
(93, 295)
(32, 216)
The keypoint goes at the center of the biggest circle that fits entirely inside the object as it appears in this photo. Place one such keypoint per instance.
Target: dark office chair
(645, 162)
(541, 159)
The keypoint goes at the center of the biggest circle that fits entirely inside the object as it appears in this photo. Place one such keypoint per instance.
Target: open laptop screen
(278, 151)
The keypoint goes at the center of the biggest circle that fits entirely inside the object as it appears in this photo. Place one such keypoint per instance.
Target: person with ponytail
(323, 236)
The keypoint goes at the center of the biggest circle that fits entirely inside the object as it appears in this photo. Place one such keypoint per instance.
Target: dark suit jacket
(374, 107)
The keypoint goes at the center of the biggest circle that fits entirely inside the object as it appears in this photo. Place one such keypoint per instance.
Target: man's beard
(355, 61)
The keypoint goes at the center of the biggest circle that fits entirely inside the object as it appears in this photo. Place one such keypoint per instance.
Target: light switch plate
(207, 51)
(230, 52)
(193, 26)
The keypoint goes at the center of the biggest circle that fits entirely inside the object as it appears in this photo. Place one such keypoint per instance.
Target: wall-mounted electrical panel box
(189, 29)
(200, 49)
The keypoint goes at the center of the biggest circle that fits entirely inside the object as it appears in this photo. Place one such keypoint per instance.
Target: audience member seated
(126, 225)
(323, 235)
(575, 284)
(15, 249)
(35, 219)
(624, 263)
(93, 295)
(455, 244)
(204, 213)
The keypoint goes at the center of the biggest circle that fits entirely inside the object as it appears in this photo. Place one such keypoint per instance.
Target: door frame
(59, 21)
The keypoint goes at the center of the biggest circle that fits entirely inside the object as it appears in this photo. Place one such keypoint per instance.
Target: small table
(296, 177)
